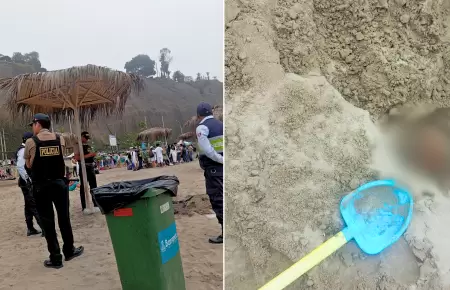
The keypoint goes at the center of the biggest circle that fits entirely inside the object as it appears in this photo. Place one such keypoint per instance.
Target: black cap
(204, 109)
(27, 135)
(40, 117)
(86, 135)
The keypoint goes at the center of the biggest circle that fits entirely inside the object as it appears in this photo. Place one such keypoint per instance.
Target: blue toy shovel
(377, 214)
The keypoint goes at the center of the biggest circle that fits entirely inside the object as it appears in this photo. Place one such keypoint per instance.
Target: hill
(162, 100)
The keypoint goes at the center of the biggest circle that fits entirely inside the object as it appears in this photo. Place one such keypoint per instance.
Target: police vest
(48, 163)
(86, 150)
(21, 181)
(215, 137)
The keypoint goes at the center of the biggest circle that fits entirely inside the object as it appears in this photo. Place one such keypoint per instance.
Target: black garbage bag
(118, 194)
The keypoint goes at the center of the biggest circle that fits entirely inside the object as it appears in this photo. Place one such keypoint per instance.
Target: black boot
(217, 240)
(32, 232)
(76, 252)
(54, 265)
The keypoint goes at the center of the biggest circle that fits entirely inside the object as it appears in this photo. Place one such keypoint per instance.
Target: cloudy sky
(111, 32)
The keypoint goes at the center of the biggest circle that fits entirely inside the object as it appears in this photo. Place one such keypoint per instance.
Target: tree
(215, 78)
(188, 79)
(32, 58)
(178, 76)
(165, 59)
(18, 58)
(5, 58)
(128, 139)
(199, 77)
(207, 75)
(141, 65)
(142, 125)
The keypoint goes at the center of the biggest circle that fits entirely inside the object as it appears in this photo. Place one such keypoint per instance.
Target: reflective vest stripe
(216, 143)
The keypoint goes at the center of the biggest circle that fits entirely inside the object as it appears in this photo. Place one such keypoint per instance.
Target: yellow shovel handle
(306, 263)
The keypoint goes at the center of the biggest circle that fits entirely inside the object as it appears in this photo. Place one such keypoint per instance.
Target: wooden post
(4, 144)
(70, 125)
(87, 192)
(76, 114)
(165, 138)
(181, 128)
(1, 147)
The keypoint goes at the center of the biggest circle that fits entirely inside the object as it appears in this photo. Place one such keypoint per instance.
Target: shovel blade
(377, 214)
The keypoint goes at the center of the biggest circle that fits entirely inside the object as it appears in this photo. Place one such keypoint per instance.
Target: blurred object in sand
(421, 137)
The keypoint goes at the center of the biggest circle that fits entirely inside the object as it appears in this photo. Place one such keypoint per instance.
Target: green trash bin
(145, 243)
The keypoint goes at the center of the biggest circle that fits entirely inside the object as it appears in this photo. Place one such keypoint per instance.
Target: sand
(296, 143)
(21, 257)
(282, 199)
(377, 54)
(427, 233)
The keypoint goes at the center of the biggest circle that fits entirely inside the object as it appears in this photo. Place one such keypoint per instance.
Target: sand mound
(192, 204)
(282, 198)
(377, 54)
(295, 146)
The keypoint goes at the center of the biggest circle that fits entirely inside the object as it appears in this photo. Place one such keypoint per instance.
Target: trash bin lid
(118, 194)
(152, 192)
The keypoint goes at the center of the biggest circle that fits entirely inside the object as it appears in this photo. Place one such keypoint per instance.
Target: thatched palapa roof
(154, 134)
(92, 89)
(83, 92)
(187, 136)
(217, 113)
(69, 138)
(192, 122)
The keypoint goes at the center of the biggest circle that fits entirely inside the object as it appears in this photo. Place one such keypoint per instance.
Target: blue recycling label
(168, 243)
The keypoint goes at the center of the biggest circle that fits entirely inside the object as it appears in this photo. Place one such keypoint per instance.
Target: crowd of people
(137, 158)
(159, 155)
(44, 176)
(7, 170)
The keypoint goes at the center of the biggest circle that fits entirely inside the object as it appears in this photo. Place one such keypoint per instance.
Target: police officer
(210, 141)
(89, 161)
(26, 187)
(43, 155)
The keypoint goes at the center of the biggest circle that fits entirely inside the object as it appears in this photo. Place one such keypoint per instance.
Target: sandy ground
(21, 257)
(305, 80)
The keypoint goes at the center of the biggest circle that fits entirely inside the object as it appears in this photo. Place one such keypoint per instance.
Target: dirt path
(21, 257)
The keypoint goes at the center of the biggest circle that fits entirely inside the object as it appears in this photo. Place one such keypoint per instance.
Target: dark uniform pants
(56, 193)
(92, 180)
(214, 189)
(30, 207)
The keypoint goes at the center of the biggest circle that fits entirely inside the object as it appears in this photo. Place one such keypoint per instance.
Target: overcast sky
(111, 32)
